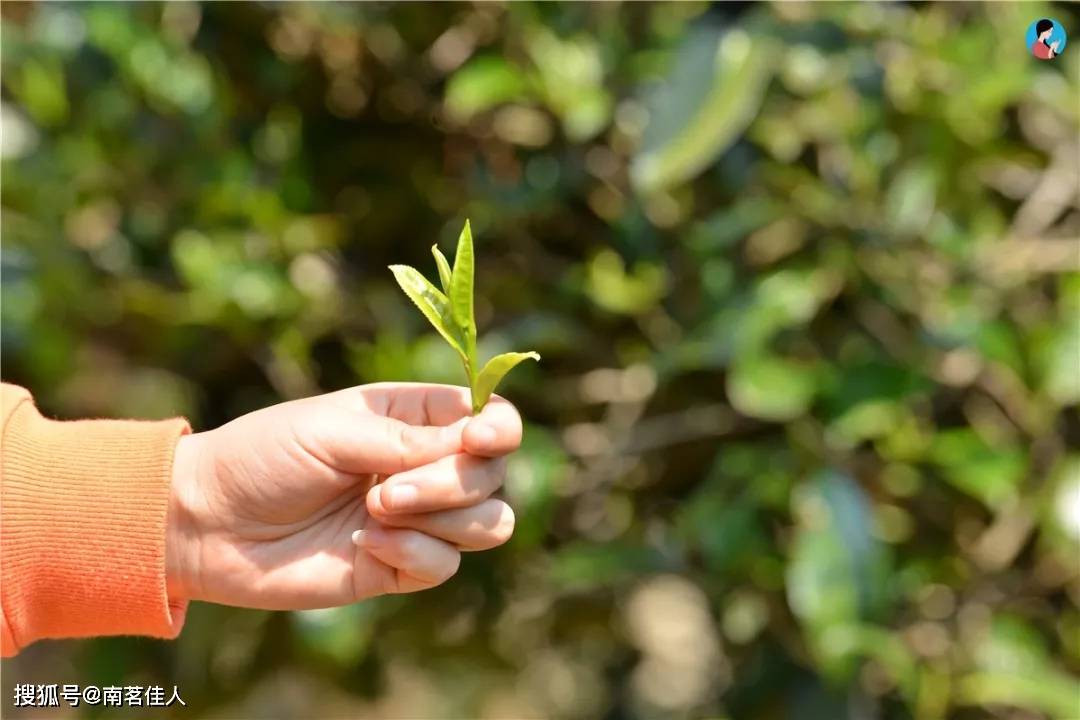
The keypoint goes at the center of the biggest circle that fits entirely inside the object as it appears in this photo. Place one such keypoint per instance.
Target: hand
(263, 510)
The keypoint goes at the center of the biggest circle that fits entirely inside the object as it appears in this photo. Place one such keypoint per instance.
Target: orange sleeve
(83, 506)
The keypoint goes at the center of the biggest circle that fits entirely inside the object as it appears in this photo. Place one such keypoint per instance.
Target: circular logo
(1046, 38)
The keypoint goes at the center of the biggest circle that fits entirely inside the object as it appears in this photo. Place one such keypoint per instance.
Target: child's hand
(264, 509)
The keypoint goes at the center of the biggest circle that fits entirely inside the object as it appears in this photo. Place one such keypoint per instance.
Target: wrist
(181, 525)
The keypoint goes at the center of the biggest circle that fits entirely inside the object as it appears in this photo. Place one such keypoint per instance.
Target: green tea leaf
(432, 303)
(452, 315)
(461, 284)
(494, 371)
(444, 268)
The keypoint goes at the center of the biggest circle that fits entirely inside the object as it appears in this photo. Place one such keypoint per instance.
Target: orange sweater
(83, 506)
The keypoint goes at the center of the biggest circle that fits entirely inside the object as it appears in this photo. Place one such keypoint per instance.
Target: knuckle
(406, 443)
(396, 442)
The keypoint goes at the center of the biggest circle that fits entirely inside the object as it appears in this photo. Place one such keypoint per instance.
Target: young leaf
(494, 371)
(461, 284)
(444, 268)
(433, 304)
(452, 315)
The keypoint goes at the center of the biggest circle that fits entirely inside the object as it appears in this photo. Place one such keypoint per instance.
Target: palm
(291, 512)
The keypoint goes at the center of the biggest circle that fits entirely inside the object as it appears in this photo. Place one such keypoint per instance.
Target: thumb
(382, 445)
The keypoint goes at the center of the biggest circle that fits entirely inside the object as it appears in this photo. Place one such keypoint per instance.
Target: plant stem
(470, 370)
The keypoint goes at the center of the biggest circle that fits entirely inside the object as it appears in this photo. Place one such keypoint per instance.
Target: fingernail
(398, 497)
(367, 539)
(483, 435)
(375, 495)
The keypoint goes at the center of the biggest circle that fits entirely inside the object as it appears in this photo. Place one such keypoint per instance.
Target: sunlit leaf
(452, 315)
(1015, 668)
(613, 288)
(444, 268)
(703, 106)
(771, 388)
(571, 81)
(482, 84)
(461, 285)
(431, 302)
(493, 372)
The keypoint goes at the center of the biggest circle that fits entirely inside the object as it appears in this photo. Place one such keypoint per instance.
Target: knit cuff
(83, 506)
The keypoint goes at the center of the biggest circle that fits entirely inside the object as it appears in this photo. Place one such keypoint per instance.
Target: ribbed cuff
(83, 507)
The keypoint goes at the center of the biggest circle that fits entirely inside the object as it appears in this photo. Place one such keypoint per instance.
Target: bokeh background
(805, 278)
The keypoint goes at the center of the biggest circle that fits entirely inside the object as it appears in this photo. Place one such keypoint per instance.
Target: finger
(496, 431)
(480, 527)
(413, 403)
(420, 561)
(452, 482)
(364, 443)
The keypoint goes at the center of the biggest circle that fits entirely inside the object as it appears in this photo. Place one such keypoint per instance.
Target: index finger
(494, 432)
(412, 403)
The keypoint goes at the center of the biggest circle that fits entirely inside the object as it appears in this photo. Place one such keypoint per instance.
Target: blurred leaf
(873, 380)
(584, 566)
(771, 388)
(711, 95)
(571, 81)
(40, 88)
(1055, 694)
(719, 231)
(989, 474)
(533, 480)
(482, 84)
(910, 202)
(1056, 355)
(342, 633)
(837, 569)
(1015, 669)
(611, 287)
(727, 534)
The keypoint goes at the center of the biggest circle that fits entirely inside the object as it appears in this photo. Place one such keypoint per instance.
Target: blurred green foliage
(804, 277)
